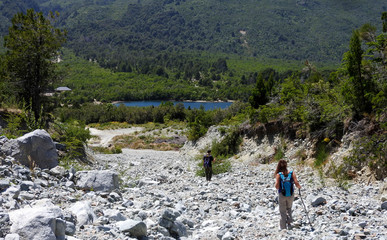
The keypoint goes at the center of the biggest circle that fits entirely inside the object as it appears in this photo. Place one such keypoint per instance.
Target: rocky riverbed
(149, 194)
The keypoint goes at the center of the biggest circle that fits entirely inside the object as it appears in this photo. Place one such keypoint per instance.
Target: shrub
(279, 154)
(321, 154)
(371, 151)
(229, 145)
(218, 167)
(105, 150)
(73, 135)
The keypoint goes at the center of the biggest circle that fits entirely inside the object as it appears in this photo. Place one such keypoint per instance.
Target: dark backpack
(286, 185)
(207, 161)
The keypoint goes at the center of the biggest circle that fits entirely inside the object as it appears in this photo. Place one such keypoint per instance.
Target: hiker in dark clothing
(207, 164)
(284, 184)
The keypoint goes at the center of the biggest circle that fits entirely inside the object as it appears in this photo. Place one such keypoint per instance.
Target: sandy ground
(104, 137)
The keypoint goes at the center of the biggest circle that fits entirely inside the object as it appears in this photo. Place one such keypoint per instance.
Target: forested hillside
(127, 34)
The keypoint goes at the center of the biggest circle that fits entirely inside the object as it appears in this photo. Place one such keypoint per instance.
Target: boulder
(38, 222)
(135, 228)
(84, 212)
(35, 149)
(104, 180)
(384, 206)
(319, 202)
(113, 214)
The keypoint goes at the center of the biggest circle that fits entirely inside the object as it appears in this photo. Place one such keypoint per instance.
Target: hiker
(207, 164)
(285, 181)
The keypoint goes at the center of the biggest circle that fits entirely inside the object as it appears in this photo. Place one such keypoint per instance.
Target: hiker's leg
(207, 170)
(282, 210)
(210, 174)
(289, 211)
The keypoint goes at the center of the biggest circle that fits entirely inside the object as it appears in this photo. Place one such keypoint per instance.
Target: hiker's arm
(296, 181)
(277, 181)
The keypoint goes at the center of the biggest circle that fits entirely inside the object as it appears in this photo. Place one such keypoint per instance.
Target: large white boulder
(104, 180)
(84, 212)
(38, 222)
(34, 149)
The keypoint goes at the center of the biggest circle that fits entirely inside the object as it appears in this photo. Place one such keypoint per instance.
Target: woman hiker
(284, 184)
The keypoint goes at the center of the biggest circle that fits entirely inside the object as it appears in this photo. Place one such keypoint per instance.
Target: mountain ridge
(127, 31)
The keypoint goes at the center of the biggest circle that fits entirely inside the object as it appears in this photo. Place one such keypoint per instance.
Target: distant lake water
(192, 105)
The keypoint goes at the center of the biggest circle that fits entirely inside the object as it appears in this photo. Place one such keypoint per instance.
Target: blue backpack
(286, 186)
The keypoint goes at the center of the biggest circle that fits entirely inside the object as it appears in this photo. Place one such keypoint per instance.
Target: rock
(12, 237)
(135, 228)
(4, 184)
(384, 206)
(228, 236)
(58, 171)
(33, 149)
(362, 224)
(38, 223)
(178, 229)
(146, 181)
(27, 185)
(60, 146)
(84, 212)
(319, 202)
(3, 139)
(104, 180)
(12, 192)
(114, 215)
(70, 228)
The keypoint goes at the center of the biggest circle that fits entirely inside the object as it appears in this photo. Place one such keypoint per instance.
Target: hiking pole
(299, 191)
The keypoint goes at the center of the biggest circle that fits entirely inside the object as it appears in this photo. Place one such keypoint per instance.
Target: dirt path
(104, 137)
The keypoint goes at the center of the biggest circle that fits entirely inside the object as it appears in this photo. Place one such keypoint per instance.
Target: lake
(192, 105)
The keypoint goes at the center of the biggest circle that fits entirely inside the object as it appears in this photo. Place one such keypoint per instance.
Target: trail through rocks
(104, 137)
(242, 204)
(160, 197)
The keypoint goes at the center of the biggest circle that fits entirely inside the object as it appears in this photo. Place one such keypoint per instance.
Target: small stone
(359, 236)
(135, 228)
(363, 224)
(319, 202)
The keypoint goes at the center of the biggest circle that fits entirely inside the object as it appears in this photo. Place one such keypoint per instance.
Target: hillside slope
(126, 31)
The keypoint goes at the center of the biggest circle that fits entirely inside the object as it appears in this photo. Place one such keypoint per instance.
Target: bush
(218, 167)
(371, 151)
(321, 154)
(279, 154)
(229, 145)
(105, 150)
(73, 135)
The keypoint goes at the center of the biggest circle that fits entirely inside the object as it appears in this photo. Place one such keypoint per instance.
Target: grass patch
(321, 154)
(147, 142)
(110, 125)
(107, 150)
(279, 154)
(218, 167)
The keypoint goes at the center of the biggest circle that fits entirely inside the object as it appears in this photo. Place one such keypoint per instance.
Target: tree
(259, 94)
(358, 83)
(32, 48)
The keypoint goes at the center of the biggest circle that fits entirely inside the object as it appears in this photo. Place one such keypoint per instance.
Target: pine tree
(32, 48)
(259, 94)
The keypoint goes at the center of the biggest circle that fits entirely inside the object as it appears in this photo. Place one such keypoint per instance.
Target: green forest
(316, 66)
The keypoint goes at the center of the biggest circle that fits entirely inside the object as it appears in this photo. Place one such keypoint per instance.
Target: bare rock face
(35, 149)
